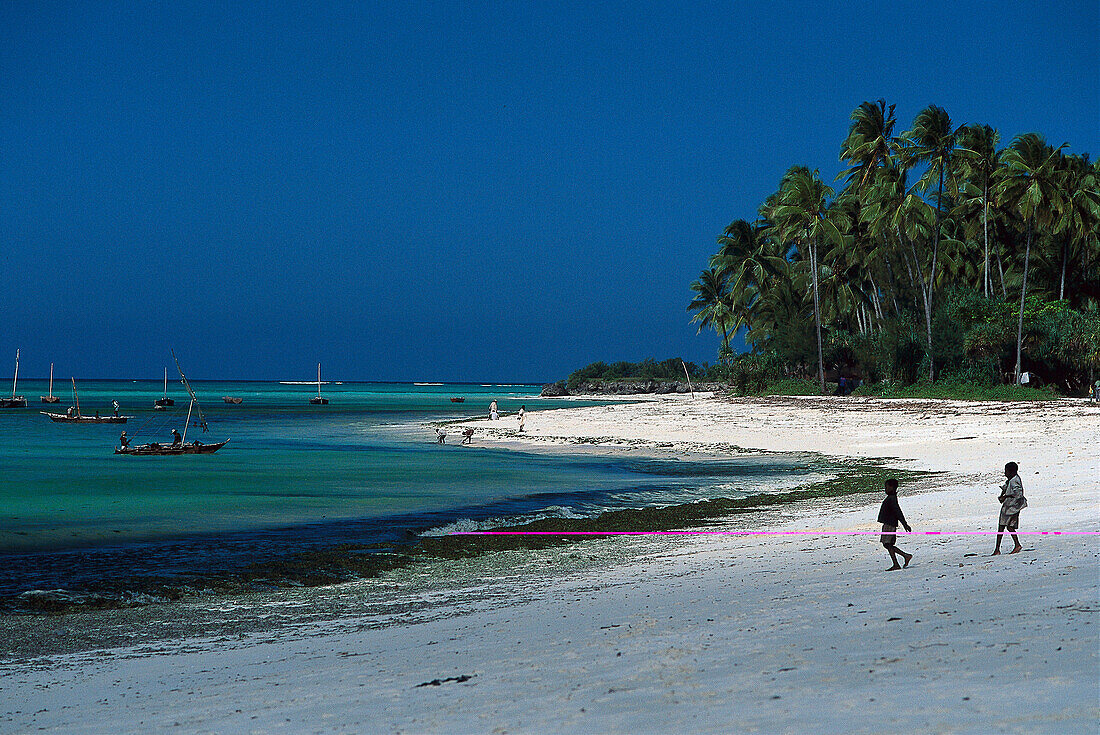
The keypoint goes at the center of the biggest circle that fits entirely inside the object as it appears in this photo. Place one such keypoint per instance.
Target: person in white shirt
(1012, 502)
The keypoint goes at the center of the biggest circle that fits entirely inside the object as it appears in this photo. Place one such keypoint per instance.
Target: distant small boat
(232, 399)
(71, 417)
(15, 401)
(166, 401)
(458, 400)
(318, 400)
(51, 398)
(427, 384)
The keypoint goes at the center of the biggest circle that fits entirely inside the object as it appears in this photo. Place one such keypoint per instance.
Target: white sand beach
(691, 634)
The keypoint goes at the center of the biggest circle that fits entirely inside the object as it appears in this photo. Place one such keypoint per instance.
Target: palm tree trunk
(892, 279)
(932, 276)
(817, 317)
(1001, 270)
(1023, 295)
(926, 294)
(986, 280)
(1065, 257)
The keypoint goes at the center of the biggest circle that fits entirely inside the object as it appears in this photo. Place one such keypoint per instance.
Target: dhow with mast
(51, 398)
(74, 416)
(181, 446)
(15, 401)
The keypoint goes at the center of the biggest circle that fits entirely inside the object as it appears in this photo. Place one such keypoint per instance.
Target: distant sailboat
(195, 447)
(73, 415)
(15, 401)
(51, 398)
(317, 400)
(166, 401)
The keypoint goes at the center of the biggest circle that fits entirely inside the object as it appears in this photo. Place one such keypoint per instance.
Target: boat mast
(318, 380)
(188, 421)
(15, 381)
(76, 398)
(166, 382)
(51, 380)
(194, 399)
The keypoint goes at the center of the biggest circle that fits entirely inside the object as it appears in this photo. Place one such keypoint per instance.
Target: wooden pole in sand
(692, 390)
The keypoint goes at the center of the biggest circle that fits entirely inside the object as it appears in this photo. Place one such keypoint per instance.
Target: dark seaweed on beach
(350, 561)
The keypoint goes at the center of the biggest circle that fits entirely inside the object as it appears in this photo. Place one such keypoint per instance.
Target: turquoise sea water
(294, 476)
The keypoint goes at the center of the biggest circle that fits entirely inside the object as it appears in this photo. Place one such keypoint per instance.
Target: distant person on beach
(1096, 392)
(494, 414)
(176, 438)
(440, 436)
(468, 436)
(1012, 502)
(890, 515)
(522, 416)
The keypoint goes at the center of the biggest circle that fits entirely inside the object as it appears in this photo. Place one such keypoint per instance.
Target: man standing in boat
(177, 440)
(124, 441)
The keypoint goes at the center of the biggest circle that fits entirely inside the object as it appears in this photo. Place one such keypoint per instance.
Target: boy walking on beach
(890, 515)
(1012, 502)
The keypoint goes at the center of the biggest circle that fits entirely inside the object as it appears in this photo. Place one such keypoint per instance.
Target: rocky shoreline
(627, 387)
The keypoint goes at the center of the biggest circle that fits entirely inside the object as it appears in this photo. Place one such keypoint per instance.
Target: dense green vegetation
(942, 256)
(648, 369)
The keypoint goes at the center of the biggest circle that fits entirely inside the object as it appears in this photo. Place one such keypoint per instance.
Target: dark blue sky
(447, 191)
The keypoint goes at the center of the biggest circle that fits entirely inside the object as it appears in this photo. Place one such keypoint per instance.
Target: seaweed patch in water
(348, 562)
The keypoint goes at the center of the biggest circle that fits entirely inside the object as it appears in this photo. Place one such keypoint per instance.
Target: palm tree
(1081, 216)
(1031, 182)
(803, 216)
(711, 304)
(931, 141)
(747, 260)
(896, 213)
(869, 143)
(980, 161)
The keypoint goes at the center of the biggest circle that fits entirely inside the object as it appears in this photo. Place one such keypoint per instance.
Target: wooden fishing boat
(160, 403)
(182, 446)
(458, 400)
(51, 398)
(73, 415)
(318, 400)
(64, 418)
(15, 401)
(195, 447)
(232, 399)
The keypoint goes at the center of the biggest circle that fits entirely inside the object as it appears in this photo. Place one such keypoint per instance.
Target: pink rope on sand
(756, 532)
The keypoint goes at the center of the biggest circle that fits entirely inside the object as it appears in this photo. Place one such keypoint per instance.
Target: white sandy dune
(689, 634)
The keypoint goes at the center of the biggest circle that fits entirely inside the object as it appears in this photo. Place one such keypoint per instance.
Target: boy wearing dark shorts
(890, 515)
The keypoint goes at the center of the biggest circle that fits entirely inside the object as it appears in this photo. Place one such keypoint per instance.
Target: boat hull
(17, 402)
(50, 399)
(149, 450)
(165, 402)
(61, 418)
(318, 401)
(232, 399)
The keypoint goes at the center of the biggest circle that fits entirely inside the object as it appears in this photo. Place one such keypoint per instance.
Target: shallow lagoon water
(294, 476)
